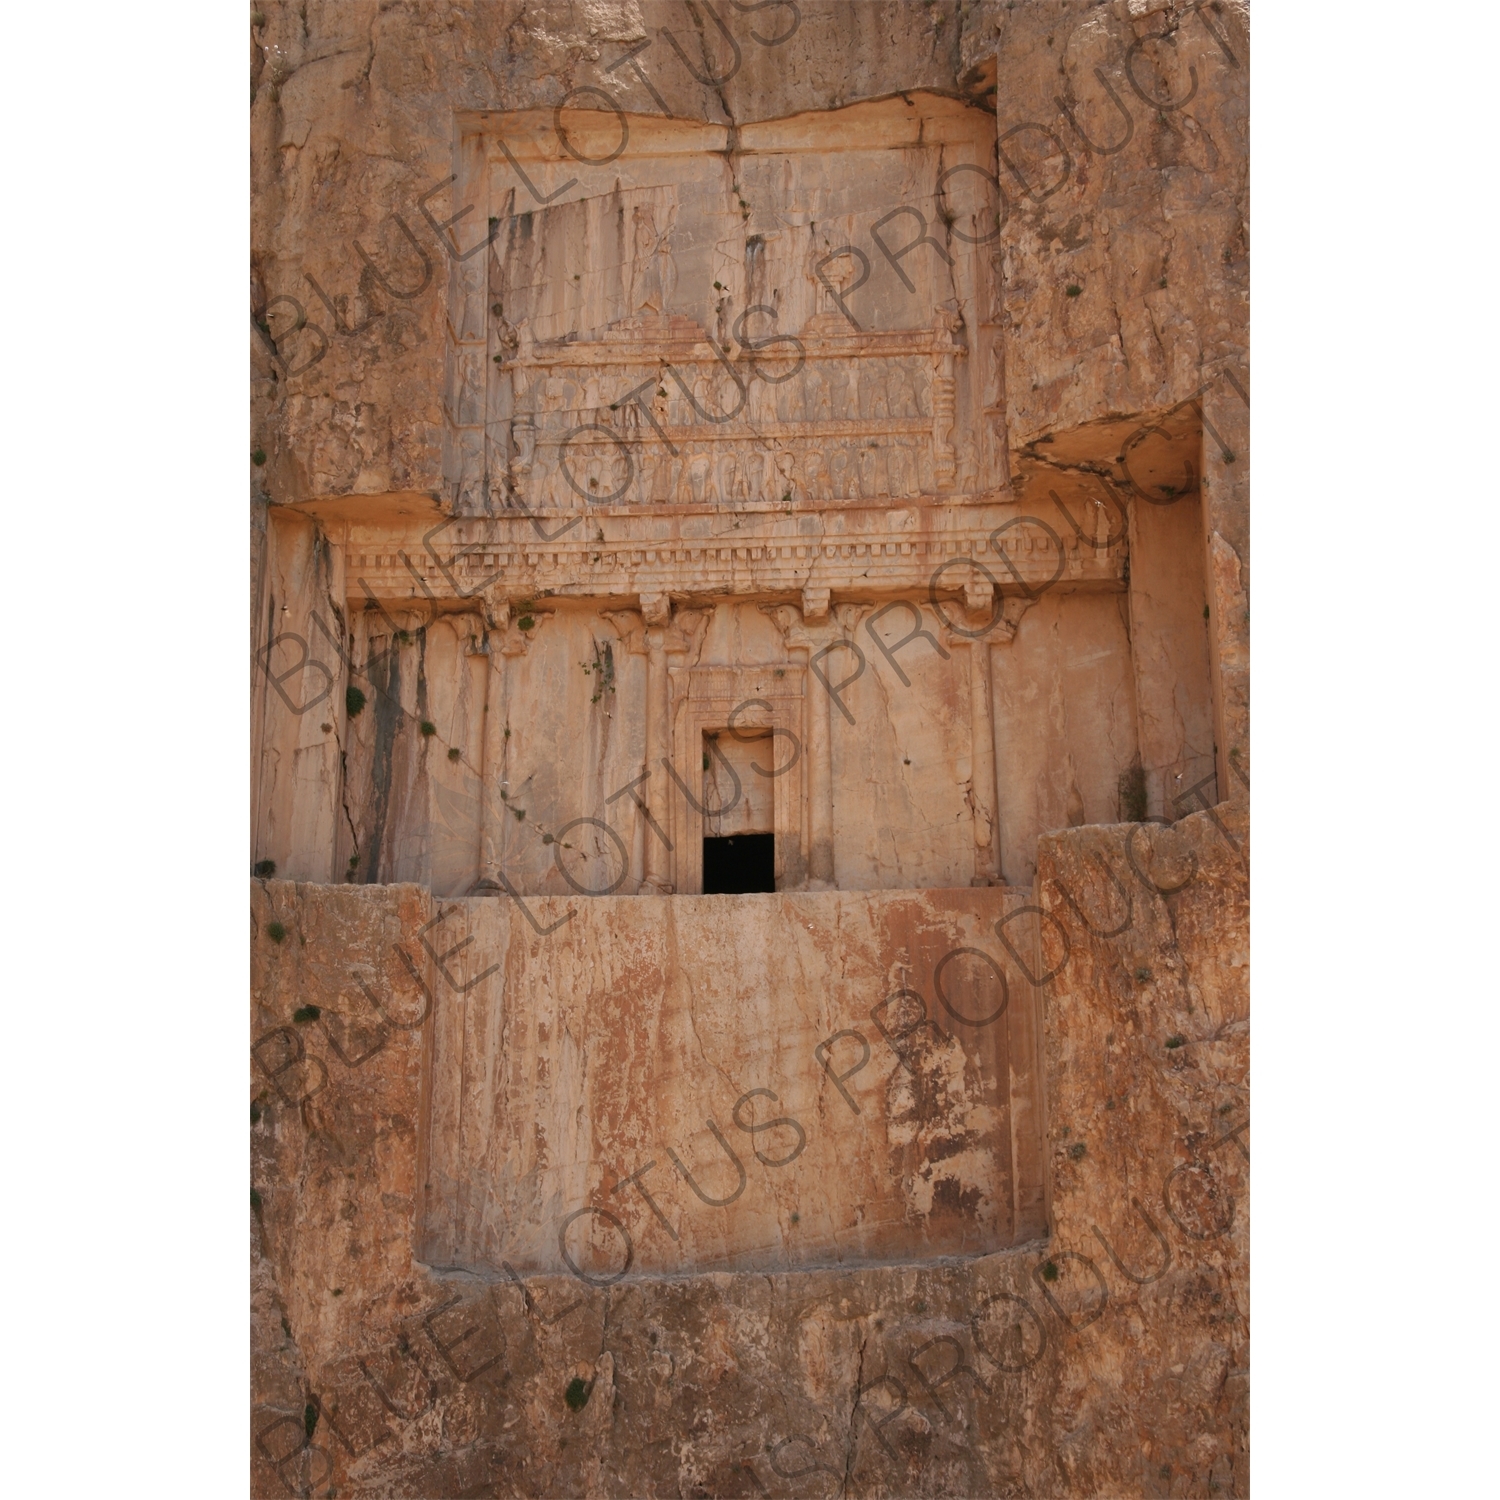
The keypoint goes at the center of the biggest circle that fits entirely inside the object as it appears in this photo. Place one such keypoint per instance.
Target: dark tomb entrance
(739, 864)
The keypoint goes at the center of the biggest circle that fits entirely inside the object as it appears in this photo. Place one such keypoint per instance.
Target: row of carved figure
(554, 475)
(822, 390)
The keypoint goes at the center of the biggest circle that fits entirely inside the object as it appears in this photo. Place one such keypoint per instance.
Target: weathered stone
(797, 452)
(1110, 1349)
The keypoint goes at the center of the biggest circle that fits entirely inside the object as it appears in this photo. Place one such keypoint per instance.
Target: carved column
(630, 630)
(663, 636)
(492, 751)
(998, 639)
(820, 874)
(657, 611)
(793, 624)
(504, 642)
(984, 799)
(338, 622)
(682, 637)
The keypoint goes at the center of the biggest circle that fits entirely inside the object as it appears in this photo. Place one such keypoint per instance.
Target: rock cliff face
(800, 452)
(413, 1335)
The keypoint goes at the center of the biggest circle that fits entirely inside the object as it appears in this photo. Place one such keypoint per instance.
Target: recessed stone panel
(800, 316)
(721, 1082)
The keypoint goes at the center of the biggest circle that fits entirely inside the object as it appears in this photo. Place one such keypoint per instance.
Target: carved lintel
(815, 603)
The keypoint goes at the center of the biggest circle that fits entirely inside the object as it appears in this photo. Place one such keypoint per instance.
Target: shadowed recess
(736, 866)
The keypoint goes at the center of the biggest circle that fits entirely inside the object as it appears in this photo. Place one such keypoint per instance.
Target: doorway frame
(705, 699)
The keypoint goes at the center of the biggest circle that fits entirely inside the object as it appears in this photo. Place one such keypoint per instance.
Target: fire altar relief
(805, 317)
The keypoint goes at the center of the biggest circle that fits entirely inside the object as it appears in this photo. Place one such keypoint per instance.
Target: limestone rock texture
(750, 696)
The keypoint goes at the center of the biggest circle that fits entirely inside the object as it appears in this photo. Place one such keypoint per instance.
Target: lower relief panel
(437, 1086)
(745, 1082)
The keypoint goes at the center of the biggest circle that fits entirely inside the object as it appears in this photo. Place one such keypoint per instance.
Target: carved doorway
(739, 812)
(738, 739)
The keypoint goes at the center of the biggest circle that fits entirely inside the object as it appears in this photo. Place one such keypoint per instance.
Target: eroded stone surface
(1109, 1357)
(605, 1094)
(561, 570)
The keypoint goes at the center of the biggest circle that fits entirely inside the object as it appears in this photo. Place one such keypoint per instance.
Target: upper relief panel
(669, 314)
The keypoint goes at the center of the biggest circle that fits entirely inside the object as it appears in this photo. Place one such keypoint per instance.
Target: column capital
(1011, 610)
(522, 630)
(798, 632)
(629, 628)
(979, 596)
(686, 629)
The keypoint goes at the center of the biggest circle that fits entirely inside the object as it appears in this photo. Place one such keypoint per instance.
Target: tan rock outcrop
(1107, 1357)
(797, 453)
